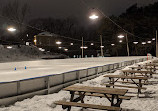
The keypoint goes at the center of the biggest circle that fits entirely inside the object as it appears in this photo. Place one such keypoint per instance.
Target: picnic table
(139, 68)
(155, 61)
(151, 65)
(137, 73)
(110, 93)
(133, 78)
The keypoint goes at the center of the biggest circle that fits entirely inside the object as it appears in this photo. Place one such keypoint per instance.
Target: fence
(10, 92)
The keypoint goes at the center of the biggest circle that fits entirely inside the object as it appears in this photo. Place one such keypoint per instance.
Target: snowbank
(22, 53)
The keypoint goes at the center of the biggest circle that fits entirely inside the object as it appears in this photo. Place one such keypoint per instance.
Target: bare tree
(16, 12)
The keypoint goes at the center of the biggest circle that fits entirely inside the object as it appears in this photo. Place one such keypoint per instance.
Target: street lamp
(122, 36)
(66, 49)
(149, 42)
(135, 42)
(112, 44)
(58, 42)
(93, 17)
(153, 39)
(11, 29)
(92, 43)
(9, 47)
(143, 43)
(120, 41)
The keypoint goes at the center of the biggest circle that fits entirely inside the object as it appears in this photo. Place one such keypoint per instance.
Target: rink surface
(50, 67)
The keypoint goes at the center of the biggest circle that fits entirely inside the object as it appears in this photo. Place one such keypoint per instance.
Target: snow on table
(50, 67)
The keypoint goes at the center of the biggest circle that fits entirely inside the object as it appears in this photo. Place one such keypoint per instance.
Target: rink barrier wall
(10, 92)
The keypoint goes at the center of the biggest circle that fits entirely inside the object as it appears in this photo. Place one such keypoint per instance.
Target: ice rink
(50, 67)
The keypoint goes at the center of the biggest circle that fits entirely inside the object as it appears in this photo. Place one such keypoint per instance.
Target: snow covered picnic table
(144, 68)
(137, 73)
(117, 77)
(115, 94)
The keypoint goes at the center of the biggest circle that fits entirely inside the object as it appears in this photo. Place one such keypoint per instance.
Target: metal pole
(82, 47)
(101, 42)
(156, 45)
(127, 44)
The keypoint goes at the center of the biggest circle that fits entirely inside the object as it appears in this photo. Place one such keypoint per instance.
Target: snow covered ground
(23, 53)
(148, 100)
(49, 67)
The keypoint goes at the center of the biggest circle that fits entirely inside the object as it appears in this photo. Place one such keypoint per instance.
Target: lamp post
(122, 36)
(101, 47)
(156, 45)
(82, 47)
(127, 44)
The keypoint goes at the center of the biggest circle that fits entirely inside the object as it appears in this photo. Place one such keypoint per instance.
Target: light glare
(120, 41)
(112, 44)
(9, 47)
(121, 36)
(58, 42)
(93, 17)
(135, 42)
(143, 43)
(11, 29)
(153, 38)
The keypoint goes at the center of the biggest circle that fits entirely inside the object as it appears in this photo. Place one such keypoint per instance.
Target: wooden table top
(135, 71)
(100, 90)
(126, 77)
(142, 67)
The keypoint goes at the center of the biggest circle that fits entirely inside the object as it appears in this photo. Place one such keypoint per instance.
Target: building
(45, 39)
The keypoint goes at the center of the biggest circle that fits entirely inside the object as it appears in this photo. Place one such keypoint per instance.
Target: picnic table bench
(110, 93)
(132, 78)
(137, 73)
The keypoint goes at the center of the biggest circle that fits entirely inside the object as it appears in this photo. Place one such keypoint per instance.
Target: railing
(10, 92)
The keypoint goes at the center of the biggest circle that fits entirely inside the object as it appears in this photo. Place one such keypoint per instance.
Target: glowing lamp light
(35, 40)
(59, 47)
(71, 43)
(153, 38)
(135, 42)
(40, 48)
(120, 41)
(143, 43)
(149, 42)
(112, 44)
(66, 49)
(92, 43)
(11, 29)
(9, 47)
(58, 42)
(93, 17)
(85, 47)
(121, 36)
(102, 46)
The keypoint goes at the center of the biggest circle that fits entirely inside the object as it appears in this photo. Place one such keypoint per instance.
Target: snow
(49, 67)
(147, 101)
(22, 53)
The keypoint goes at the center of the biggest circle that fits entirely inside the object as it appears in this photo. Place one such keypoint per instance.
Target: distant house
(45, 39)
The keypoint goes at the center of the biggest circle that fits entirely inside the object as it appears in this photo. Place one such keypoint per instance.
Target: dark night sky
(66, 8)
